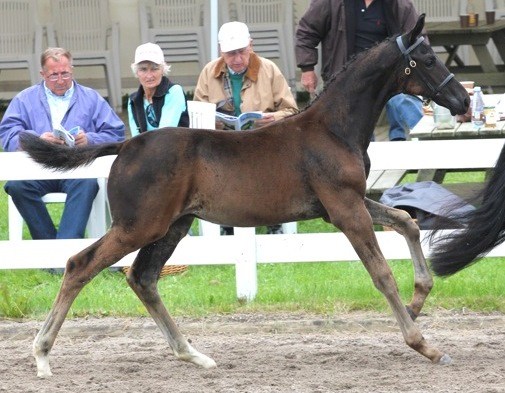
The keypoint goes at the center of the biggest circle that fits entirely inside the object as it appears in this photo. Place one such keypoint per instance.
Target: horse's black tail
(62, 157)
(484, 230)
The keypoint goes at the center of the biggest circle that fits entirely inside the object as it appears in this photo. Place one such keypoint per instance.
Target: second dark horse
(313, 164)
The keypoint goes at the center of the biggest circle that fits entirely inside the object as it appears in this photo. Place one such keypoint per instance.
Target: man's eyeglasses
(63, 75)
(151, 116)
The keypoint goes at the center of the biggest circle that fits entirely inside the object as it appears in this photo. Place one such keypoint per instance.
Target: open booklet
(244, 121)
(66, 136)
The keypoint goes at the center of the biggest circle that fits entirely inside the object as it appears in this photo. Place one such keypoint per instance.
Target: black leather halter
(412, 64)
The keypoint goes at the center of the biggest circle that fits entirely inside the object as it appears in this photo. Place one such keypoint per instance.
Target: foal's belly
(257, 209)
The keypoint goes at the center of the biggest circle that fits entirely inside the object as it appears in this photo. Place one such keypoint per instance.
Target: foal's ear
(417, 30)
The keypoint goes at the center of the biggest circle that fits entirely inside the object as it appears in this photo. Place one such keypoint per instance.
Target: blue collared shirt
(58, 105)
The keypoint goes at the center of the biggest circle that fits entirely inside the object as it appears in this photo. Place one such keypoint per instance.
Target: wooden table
(451, 35)
(426, 129)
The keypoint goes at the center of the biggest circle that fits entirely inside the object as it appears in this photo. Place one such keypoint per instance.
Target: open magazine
(244, 121)
(66, 136)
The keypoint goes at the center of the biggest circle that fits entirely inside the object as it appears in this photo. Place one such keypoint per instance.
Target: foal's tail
(62, 157)
(484, 229)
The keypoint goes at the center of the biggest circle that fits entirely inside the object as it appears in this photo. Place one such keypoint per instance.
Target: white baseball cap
(233, 36)
(149, 52)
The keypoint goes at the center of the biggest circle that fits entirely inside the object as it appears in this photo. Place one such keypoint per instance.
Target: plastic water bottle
(477, 107)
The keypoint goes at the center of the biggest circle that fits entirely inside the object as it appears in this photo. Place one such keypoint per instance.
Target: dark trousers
(27, 196)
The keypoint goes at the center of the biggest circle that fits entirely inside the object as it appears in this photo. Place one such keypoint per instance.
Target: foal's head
(426, 75)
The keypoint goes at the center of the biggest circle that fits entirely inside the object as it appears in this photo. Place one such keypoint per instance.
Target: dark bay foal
(313, 164)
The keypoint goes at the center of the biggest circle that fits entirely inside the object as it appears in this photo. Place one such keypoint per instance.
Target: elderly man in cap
(241, 81)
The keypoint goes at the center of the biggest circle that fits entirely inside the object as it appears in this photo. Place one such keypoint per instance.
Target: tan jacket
(265, 89)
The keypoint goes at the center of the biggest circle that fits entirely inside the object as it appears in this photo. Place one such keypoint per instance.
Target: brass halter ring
(412, 64)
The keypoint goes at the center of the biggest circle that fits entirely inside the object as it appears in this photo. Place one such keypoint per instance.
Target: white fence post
(245, 268)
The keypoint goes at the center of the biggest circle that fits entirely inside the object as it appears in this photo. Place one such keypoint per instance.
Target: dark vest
(137, 105)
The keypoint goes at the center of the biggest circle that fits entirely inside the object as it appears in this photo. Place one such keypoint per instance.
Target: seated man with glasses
(57, 101)
(158, 102)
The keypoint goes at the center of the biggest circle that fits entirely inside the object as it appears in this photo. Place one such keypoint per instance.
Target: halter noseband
(412, 64)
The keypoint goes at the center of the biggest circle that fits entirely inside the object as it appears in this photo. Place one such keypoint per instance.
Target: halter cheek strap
(412, 63)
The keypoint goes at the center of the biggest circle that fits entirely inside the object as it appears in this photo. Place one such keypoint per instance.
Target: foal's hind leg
(350, 214)
(143, 277)
(80, 269)
(402, 223)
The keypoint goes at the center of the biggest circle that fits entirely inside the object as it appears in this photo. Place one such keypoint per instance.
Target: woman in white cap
(158, 102)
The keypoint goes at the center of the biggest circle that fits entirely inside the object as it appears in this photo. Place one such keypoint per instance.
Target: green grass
(453, 177)
(322, 288)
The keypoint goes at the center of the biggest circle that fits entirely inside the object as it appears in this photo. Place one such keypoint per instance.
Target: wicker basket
(167, 270)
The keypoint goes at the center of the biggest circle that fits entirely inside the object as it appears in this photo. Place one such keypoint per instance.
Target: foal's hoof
(445, 360)
(44, 374)
(195, 357)
(203, 361)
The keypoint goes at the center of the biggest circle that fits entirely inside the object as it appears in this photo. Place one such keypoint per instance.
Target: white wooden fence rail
(245, 249)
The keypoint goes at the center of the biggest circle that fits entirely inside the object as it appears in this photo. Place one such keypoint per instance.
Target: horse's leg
(80, 269)
(143, 278)
(402, 223)
(350, 214)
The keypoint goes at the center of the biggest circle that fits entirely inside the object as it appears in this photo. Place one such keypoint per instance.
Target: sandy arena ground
(258, 353)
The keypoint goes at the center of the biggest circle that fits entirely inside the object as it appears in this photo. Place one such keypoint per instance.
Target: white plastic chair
(85, 29)
(20, 37)
(180, 27)
(271, 24)
(97, 222)
(440, 10)
(203, 115)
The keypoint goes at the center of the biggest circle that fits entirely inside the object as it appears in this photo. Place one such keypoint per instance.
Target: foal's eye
(430, 62)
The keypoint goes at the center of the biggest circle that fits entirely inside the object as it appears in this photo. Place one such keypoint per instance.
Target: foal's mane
(348, 63)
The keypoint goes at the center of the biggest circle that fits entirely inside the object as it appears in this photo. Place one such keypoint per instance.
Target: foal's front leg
(142, 278)
(402, 223)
